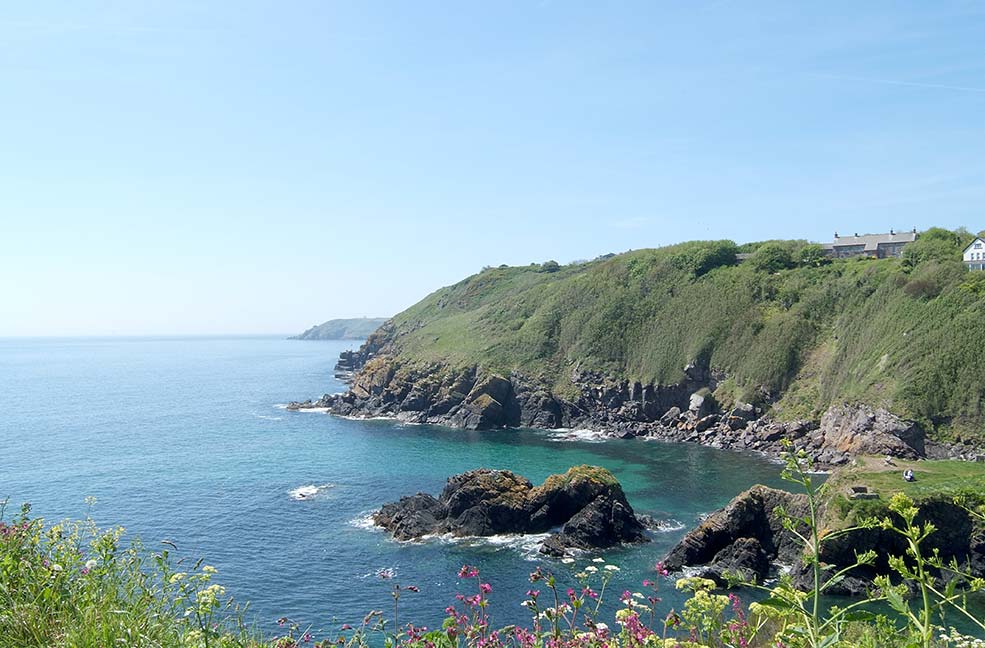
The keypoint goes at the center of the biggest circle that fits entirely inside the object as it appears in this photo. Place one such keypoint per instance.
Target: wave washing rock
(585, 507)
(743, 539)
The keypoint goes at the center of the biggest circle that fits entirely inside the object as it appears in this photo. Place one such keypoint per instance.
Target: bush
(771, 257)
(701, 257)
(813, 256)
(936, 244)
(550, 266)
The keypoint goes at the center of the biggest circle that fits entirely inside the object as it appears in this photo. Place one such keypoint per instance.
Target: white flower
(55, 567)
(638, 595)
(598, 560)
(591, 569)
(567, 561)
(601, 626)
(91, 564)
(611, 568)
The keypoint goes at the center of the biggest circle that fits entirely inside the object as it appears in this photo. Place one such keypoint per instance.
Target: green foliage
(550, 266)
(813, 256)
(853, 330)
(936, 244)
(701, 257)
(771, 257)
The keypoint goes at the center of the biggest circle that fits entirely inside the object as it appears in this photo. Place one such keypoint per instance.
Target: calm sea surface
(186, 439)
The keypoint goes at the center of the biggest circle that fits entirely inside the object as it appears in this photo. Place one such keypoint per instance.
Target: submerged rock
(586, 508)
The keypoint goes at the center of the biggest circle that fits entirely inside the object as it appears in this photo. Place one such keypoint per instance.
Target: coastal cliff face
(685, 343)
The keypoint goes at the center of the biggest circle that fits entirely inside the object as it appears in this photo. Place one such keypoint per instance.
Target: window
(978, 246)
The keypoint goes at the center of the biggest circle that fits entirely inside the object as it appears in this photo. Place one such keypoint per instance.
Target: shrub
(813, 256)
(771, 257)
(550, 266)
(701, 257)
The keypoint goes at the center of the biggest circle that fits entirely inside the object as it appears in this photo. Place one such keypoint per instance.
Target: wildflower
(176, 577)
(591, 569)
(91, 564)
(598, 560)
(209, 569)
(611, 568)
(56, 567)
(412, 588)
(485, 588)
(346, 626)
(533, 593)
(281, 621)
(567, 561)
(663, 571)
(601, 626)
(306, 638)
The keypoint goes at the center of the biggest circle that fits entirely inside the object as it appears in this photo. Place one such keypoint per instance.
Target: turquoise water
(186, 440)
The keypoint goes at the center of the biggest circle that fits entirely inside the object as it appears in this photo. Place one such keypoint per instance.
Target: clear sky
(236, 167)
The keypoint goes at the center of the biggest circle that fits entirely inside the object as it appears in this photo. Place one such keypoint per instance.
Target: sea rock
(586, 503)
(720, 542)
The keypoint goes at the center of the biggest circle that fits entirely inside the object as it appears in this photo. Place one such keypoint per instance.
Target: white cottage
(974, 254)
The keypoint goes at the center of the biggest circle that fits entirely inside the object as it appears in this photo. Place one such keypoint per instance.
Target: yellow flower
(176, 577)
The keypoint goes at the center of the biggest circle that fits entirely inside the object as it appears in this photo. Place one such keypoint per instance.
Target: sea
(187, 440)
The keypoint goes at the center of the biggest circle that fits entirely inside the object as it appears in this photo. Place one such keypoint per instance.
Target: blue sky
(241, 167)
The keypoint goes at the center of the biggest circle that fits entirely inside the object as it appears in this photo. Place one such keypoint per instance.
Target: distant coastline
(357, 328)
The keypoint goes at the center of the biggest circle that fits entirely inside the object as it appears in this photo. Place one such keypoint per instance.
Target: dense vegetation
(790, 328)
(342, 329)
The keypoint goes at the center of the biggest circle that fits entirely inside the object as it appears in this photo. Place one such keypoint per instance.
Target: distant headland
(356, 328)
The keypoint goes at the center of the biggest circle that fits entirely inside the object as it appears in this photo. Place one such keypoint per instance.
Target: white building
(974, 254)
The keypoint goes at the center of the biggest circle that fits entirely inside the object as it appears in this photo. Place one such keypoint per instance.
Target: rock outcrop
(746, 539)
(585, 508)
(743, 539)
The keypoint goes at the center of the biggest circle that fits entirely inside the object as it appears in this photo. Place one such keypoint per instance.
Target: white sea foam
(308, 491)
(580, 434)
(669, 525)
(280, 406)
(365, 521)
(527, 545)
(266, 417)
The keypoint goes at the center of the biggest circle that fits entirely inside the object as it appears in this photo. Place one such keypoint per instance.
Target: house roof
(977, 239)
(871, 242)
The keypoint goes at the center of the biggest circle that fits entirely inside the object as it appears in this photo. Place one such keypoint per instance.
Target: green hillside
(789, 328)
(342, 329)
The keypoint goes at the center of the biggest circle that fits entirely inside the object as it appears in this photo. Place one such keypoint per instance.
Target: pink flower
(412, 588)
(346, 626)
(662, 570)
(485, 588)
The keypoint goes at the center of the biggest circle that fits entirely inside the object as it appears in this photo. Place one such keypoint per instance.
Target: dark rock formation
(586, 506)
(743, 538)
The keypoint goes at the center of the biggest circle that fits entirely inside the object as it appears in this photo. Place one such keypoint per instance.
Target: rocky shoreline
(381, 386)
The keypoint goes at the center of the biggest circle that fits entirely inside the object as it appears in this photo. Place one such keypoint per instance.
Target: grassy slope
(904, 335)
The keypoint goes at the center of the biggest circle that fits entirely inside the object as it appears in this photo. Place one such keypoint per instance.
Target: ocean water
(186, 440)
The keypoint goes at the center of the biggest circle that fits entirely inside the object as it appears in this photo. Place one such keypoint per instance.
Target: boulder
(860, 430)
(671, 416)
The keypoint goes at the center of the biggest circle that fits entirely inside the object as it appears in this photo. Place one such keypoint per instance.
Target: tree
(550, 266)
(771, 257)
(812, 255)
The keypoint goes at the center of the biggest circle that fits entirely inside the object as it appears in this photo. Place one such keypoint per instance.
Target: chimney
(856, 234)
(892, 233)
(836, 234)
